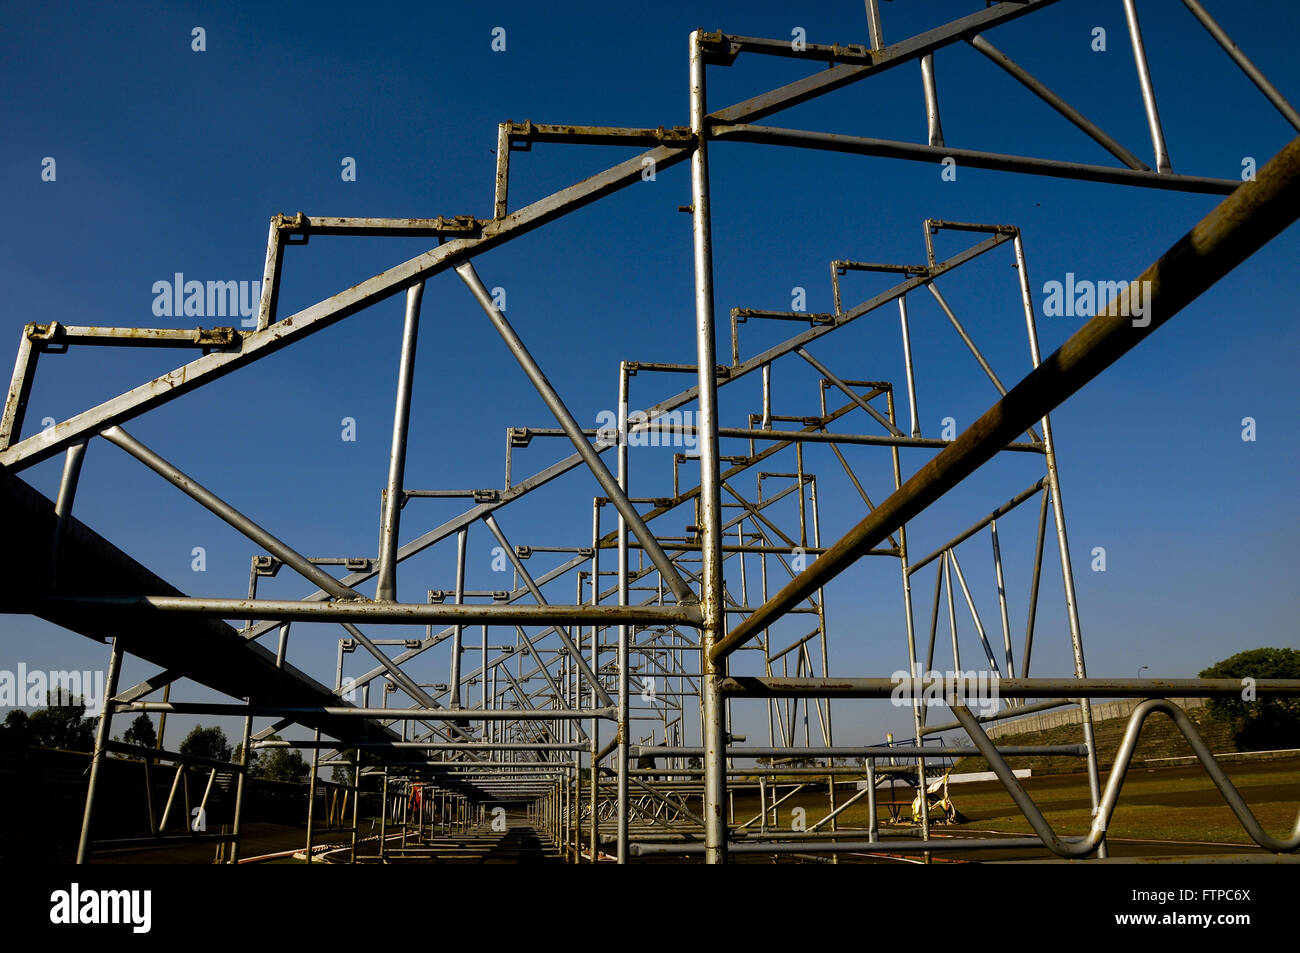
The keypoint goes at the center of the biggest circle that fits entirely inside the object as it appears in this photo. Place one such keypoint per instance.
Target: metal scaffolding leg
(101, 741)
(710, 502)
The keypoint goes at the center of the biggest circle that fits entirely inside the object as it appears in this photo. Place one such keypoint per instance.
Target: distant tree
(207, 743)
(1261, 723)
(61, 726)
(141, 732)
(17, 727)
(342, 774)
(283, 764)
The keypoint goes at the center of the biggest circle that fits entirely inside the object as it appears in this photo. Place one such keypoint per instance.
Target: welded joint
(43, 332)
(266, 565)
(841, 267)
(932, 226)
(719, 49)
(742, 316)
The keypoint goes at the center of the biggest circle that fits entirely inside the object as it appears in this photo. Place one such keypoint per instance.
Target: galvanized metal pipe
(390, 613)
(462, 539)
(208, 499)
(571, 428)
(907, 364)
(1056, 102)
(1247, 67)
(72, 461)
(390, 518)
(934, 128)
(102, 731)
(1063, 545)
(713, 667)
(1148, 91)
(764, 687)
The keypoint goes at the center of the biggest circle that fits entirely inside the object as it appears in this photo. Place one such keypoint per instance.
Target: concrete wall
(1058, 718)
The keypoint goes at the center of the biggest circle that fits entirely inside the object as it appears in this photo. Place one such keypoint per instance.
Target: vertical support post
(874, 25)
(162, 718)
(1148, 91)
(386, 587)
(282, 646)
(274, 264)
(1002, 599)
(873, 821)
(827, 729)
(907, 361)
(710, 502)
(913, 663)
(952, 610)
(383, 815)
(624, 660)
(1063, 544)
(244, 761)
(356, 799)
(311, 794)
(1032, 611)
(594, 731)
(501, 198)
(767, 397)
(457, 647)
(148, 795)
(20, 389)
(101, 739)
(934, 128)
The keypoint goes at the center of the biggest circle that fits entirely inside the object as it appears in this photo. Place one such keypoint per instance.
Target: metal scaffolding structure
(609, 719)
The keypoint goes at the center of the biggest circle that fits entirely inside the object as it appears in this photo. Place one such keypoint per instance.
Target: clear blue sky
(170, 160)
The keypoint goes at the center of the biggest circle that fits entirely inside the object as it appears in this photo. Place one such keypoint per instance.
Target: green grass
(1179, 804)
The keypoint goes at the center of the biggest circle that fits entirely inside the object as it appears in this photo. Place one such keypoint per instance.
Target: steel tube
(907, 364)
(412, 714)
(972, 158)
(622, 793)
(712, 710)
(758, 687)
(394, 613)
(855, 397)
(101, 742)
(1002, 510)
(1063, 545)
(571, 428)
(73, 459)
(462, 538)
(1247, 67)
(1148, 90)
(587, 672)
(1056, 102)
(390, 517)
(868, 751)
(209, 500)
(934, 128)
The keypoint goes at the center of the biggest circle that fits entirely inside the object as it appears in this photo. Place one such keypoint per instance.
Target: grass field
(1168, 810)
